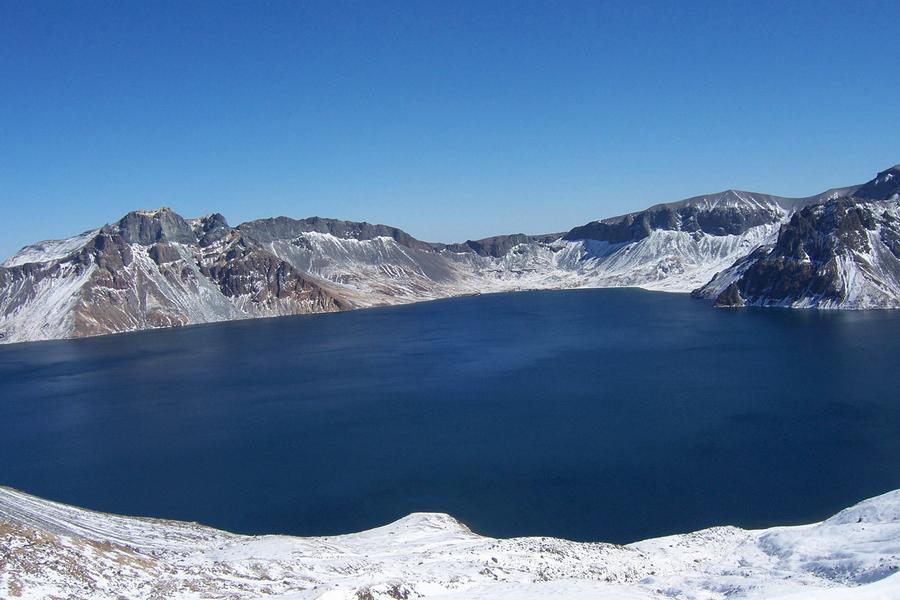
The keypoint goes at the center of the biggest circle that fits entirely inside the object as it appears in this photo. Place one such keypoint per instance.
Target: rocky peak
(885, 186)
(818, 231)
(148, 227)
(210, 229)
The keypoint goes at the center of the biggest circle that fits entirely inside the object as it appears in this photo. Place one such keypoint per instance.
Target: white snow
(49, 250)
(22, 318)
(50, 549)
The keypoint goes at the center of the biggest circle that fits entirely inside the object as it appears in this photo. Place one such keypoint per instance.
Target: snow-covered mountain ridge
(156, 269)
(51, 550)
(841, 253)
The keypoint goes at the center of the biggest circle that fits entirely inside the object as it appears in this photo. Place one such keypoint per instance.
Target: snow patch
(49, 250)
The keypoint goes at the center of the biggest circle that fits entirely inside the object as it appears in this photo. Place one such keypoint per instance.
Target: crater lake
(608, 415)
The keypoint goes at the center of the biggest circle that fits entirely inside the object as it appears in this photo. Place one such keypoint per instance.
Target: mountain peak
(885, 186)
(889, 173)
(155, 212)
(147, 227)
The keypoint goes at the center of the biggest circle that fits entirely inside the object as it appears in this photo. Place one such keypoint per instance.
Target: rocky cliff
(843, 252)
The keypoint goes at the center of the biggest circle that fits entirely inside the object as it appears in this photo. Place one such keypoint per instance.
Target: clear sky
(452, 120)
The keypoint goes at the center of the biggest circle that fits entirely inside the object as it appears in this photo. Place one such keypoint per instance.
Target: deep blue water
(594, 414)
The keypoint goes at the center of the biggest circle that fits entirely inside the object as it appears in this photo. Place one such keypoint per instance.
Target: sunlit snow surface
(381, 271)
(53, 550)
(49, 249)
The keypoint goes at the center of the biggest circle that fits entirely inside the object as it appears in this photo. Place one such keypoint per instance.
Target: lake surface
(593, 414)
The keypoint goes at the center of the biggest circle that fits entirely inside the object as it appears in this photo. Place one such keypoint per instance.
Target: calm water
(596, 414)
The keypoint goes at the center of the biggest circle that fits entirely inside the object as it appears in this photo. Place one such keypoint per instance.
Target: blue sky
(452, 120)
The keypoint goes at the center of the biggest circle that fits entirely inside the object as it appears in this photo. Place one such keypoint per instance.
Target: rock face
(730, 297)
(841, 253)
(50, 550)
(157, 269)
(150, 269)
(145, 228)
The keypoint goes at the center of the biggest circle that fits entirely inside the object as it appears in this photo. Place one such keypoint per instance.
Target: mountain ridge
(154, 268)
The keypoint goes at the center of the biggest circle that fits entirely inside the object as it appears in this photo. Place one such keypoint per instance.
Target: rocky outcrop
(884, 187)
(271, 284)
(841, 253)
(730, 297)
(210, 229)
(146, 227)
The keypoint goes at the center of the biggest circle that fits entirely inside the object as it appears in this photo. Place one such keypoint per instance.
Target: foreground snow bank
(53, 550)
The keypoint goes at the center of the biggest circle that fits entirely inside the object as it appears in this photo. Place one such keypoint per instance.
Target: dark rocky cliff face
(823, 247)
(731, 297)
(264, 279)
(145, 228)
(885, 186)
(211, 229)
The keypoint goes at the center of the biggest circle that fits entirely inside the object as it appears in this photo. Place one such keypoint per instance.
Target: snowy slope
(49, 250)
(40, 302)
(674, 261)
(52, 550)
(376, 271)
